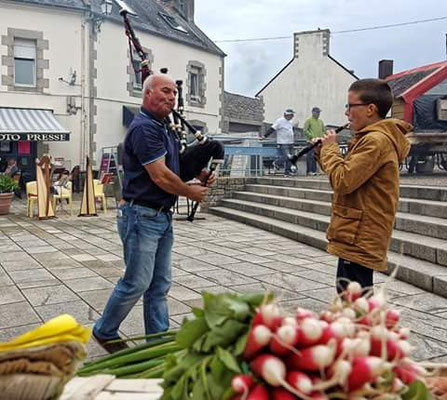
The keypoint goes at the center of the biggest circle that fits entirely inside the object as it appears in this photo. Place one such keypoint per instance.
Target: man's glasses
(349, 105)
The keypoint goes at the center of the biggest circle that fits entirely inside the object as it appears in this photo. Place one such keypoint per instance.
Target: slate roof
(404, 80)
(148, 20)
(240, 107)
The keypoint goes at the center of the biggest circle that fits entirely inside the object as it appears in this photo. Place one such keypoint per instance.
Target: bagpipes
(193, 158)
(294, 158)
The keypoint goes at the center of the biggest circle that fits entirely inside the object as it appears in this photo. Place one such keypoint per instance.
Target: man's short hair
(374, 91)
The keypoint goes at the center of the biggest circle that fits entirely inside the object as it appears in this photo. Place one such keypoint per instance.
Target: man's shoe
(276, 166)
(111, 347)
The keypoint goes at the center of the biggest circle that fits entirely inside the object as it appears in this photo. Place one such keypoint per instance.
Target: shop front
(24, 135)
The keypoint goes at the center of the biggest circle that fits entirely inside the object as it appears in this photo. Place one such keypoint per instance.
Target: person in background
(313, 128)
(12, 168)
(365, 182)
(284, 139)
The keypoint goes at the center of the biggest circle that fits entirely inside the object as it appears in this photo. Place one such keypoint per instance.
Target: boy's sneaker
(276, 166)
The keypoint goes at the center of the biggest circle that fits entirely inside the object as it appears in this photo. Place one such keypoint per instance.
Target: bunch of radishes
(354, 350)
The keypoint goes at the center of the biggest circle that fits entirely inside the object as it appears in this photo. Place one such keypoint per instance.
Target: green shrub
(7, 184)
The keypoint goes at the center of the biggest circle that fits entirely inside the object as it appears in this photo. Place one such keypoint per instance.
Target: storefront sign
(35, 137)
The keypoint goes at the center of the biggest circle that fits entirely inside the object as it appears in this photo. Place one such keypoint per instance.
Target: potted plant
(7, 187)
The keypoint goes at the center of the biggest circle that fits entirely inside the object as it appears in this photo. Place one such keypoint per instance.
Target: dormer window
(173, 23)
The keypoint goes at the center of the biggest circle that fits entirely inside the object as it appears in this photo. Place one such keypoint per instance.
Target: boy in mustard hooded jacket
(365, 182)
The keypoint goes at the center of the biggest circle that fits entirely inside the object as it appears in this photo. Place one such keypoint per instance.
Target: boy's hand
(211, 179)
(329, 138)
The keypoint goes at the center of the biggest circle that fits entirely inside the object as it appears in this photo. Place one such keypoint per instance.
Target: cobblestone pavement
(70, 265)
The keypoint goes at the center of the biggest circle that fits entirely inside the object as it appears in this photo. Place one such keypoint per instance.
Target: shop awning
(31, 124)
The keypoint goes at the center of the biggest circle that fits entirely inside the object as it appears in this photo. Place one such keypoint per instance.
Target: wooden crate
(107, 387)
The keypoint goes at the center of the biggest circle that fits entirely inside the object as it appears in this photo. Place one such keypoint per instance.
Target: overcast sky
(249, 66)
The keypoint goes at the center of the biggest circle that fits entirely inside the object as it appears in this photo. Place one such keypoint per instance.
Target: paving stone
(290, 306)
(249, 269)
(426, 302)
(85, 284)
(261, 287)
(326, 295)
(433, 326)
(96, 299)
(41, 249)
(290, 259)
(31, 275)
(83, 257)
(14, 256)
(322, 277)
(177, 307)
(216, 259)
(16, 314)
(182, 293)
(253, 258)
(72, 273)
(82, 312)
(5, 280)
(11, 266)
(193, 265)
(38, 284)
(225, 278)
(425, 348)
(193, 281)
(290, 282)
(11, 333)
(108, 257)
(49, 295)
(10, 294)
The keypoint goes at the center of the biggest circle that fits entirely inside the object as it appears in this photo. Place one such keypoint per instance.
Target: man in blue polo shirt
(151, 184)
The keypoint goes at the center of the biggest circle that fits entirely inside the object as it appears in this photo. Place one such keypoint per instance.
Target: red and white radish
(272, 370)
(314, 358)
(258, 392)
(364, 370)
(310, 331)
(242, 383)
(284, 340)
(280, 393)
(300, 381)
(392, 318)
(268, 315)
(258, 338)
(352, 292)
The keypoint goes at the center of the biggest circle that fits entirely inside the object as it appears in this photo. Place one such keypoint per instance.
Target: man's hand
(197, 192)
(329, 138)
(261, 137)
(211, 179)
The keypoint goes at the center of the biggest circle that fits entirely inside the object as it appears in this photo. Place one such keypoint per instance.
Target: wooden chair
(98, 188)
(31, 197)
(64, 194)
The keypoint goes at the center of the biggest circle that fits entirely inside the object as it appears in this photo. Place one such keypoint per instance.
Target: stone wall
(223, 188)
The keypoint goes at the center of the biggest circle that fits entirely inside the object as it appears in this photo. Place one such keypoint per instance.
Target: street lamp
(106, 7)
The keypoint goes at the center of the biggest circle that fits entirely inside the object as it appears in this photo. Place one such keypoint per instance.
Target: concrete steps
(300, 209)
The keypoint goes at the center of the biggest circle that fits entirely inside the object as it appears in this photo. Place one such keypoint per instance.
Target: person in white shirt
(284, 139)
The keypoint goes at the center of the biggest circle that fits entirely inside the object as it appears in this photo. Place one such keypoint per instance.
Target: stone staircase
(300, 209)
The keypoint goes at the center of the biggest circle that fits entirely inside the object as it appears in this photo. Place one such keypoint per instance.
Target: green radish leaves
(417, 390)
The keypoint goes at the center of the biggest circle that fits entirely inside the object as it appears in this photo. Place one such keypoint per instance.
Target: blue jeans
(311, 163)
(147, 238)
(284, 151)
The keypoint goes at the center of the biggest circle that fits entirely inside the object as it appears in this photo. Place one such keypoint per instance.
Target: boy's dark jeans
(348, 271)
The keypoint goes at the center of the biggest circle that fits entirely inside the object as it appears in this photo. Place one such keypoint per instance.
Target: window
(173, 23)
(137, 83)
(194, 84)
(24, 62)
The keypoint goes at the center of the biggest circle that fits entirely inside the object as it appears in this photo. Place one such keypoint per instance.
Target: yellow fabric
(366, 192)
(98, 188)
(63, 328)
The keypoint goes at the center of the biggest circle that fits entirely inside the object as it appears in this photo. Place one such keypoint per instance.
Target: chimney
(385, 68)
(311, 44)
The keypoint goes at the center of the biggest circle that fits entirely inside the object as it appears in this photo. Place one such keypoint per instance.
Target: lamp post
(106, 7)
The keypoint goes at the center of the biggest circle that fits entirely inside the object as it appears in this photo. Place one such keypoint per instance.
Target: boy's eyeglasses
(349, 105)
